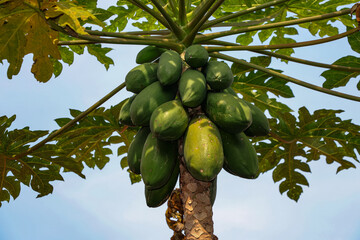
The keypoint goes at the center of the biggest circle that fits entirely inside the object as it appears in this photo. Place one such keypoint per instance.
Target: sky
(106, 206)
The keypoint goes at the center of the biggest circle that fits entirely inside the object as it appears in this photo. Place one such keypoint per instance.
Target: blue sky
(106, 206)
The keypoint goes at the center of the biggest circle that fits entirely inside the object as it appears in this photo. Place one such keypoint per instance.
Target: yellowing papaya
(169, 121)
(229, 112)
(192, 88)
(148, 54)
(170, 67)
(124, 115)
(135, 149)
(158, 160)
(240, 156)
(203, 151)
(157, 197)
(260, 124)
(147, 100)
(141, 76)
(196, 56)
(218, 75)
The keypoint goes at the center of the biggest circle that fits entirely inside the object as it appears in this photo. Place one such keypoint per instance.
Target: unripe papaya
(196, 56)
(156, 197)
(170, 67)
(203, 151)
(141, 76)
(229, 112)
(147, 100)
(240, 156)
(169, 121)
(260, 124)
(231, 91)
(218, 75)
(135, 149)
(192, 88)
(158, 160)
(124, 115)
(148, 54)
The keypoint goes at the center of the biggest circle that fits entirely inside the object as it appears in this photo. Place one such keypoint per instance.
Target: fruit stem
(285, 77)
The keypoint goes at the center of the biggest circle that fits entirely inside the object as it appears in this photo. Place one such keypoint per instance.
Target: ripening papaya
(149, 54)
(218, 75)
(192, 88)
(229, 112)
(157, 197)
(240, 157)
(169, 121)
(260, 124)
(170, 67)
(203, 151)
(124, 114)
(196, 56)
(158, 160)
(147, 100)
(135, 149)
(141, 76)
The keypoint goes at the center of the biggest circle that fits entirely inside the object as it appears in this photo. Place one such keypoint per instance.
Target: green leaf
(100, 54)
(354, 41)
(336, 78)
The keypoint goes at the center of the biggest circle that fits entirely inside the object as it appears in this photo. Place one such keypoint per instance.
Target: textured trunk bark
(195, 196)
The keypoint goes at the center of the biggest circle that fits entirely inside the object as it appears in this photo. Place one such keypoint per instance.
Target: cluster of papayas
(187, 98)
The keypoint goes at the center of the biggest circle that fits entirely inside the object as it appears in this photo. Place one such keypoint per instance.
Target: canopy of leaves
(52, 31)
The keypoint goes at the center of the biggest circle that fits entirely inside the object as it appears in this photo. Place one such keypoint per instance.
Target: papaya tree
(197, 106)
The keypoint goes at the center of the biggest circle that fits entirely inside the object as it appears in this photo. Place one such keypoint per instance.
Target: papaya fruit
(135, 149)
(170, 67)
(141, 76)
(158, 160)
(218, 75)
(203, 151)
(169, 121)
(124, 114)
(260, 124)
(229, 112)
(231, 91)
(192, 88)
(157, 197)
(149, 54)
(147, 100)
(196, 56)
(240, 157)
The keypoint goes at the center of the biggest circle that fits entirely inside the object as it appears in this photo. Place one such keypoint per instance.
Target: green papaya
(196, 56)
(169, 121)
(124, 115)
(240, 156)
(157, 197)
(170, 67)
(141, 76)
(158, 160)
(135, 149)
(229, 112)
(213, 188)
(260, 124)
(192, 88)
(149, 54)
(231, 91)
(218, 75)
(147, 100)
(203, 151)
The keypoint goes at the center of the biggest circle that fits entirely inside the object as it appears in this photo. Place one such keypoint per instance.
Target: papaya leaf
(336, 78)
(36, 169)
(23, 31)
(354, 41)
(100, 53)
(295, 142)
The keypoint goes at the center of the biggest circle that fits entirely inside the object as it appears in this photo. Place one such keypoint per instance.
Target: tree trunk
(195, 196)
